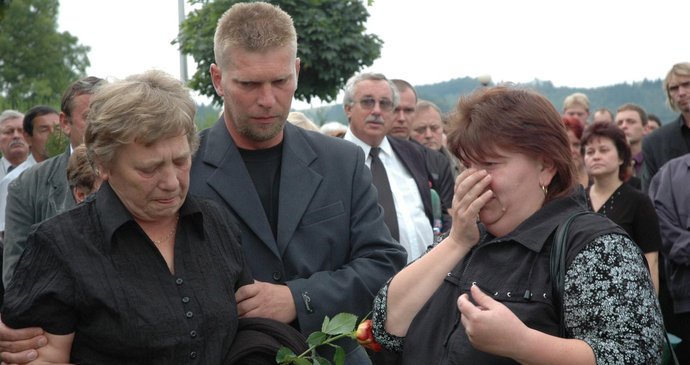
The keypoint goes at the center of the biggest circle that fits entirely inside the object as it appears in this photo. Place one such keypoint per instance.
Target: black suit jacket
(333, 249)
(660, 146)
(427, 166)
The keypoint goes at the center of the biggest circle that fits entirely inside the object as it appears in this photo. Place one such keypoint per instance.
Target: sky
(581, 44)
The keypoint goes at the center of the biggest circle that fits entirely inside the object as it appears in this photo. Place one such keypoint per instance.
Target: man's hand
(266, 300)
(20, 346)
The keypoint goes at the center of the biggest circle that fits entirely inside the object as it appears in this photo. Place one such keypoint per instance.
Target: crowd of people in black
(147, 242)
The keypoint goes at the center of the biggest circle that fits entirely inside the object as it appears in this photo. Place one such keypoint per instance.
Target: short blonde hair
(253, 27)
(142, 108)
(576, 99)
(301, 120)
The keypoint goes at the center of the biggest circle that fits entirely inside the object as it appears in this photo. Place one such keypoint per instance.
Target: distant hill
(647, 94)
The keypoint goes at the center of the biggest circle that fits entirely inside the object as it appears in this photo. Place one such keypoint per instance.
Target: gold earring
(544, 189)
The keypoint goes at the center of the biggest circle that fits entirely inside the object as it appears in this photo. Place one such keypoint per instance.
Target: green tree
(37, 62)
(331, 35)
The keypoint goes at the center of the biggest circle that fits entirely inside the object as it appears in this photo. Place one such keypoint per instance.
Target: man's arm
(675, 236)
(649, 163)
(18, 220)
(370, 256)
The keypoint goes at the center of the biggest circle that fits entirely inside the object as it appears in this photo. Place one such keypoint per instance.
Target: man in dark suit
(672, 139)
(438, 164)
(312, 232)
(311, 229)
(42, 191)
(664, 144)
(369, 103)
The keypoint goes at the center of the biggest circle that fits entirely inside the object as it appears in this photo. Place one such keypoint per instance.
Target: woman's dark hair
(515, 120)
(617, 136)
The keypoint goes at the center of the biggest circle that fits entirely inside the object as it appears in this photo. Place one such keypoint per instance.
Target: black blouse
(634, 212)
(93, 271)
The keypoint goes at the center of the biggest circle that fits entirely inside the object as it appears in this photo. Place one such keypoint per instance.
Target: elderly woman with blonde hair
(140, 272)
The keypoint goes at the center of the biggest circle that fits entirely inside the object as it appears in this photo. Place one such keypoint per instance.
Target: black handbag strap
(557, 269)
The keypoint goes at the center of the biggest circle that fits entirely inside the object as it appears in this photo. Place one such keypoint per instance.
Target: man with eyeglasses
(398, 167)
(672, 139)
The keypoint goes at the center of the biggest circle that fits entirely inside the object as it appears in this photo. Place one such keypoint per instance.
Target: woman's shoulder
(586, 228)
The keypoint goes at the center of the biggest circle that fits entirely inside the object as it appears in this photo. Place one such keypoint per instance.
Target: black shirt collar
(534, 232)
(112, 213)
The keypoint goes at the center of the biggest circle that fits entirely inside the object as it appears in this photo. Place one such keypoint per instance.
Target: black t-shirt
(93, 271)
(264, 168)
(634, 212)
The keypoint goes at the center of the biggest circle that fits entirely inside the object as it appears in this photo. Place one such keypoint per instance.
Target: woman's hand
(490, 326)
(471, 194)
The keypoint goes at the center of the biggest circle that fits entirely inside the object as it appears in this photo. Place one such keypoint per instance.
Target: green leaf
(301, 361)
(339, 357)
(320, 361)
(316, 338)
(340, 324)
(284, 355)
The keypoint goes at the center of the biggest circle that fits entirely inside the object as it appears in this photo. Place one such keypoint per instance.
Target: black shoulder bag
(557, 269)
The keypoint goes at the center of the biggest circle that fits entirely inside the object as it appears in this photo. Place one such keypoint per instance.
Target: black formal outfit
(665, 143)
(634, 212)
(93, 271)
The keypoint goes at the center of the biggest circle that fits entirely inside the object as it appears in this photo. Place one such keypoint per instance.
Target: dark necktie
(380, 178)
(9, 169)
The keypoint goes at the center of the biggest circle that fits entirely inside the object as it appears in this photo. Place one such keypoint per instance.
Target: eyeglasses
(369, 103)
(674, 89)
(433, 128)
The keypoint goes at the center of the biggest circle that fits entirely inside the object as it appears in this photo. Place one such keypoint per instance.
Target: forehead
(46, 118)
(427, 116)
(266, 65)
(373, 88)
(575, 109)
(12, 123)
(676, 79)
(407, 98)
(600, 141)
(628, 114)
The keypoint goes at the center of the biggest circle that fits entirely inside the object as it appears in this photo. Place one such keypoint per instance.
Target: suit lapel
(417, 168)
(412, 163)
(231, 173)
(298, 183)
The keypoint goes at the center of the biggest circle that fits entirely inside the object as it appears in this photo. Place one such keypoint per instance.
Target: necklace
(170, 234)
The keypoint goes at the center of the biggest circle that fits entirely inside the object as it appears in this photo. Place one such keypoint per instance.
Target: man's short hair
(403, 85)
(352, 83)
(253, 27)
(635, 108)
(10, 114)
(87, 85)
(33, 113)
(576, 99)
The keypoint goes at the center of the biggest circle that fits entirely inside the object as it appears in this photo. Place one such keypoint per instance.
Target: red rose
(365, 336)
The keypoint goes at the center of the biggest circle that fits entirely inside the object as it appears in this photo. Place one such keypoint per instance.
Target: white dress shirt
(5, 183)
(413, 224)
